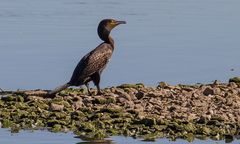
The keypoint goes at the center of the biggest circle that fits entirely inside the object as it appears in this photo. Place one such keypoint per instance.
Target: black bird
(92, 64)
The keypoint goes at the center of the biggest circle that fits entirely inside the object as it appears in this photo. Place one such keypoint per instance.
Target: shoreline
(180, 111)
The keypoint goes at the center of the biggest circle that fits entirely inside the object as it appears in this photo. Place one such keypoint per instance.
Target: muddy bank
(181, 111)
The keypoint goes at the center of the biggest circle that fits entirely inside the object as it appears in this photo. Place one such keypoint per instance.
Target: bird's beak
(120, 22)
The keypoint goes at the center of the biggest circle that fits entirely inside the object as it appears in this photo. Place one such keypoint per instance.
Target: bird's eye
(112, 21)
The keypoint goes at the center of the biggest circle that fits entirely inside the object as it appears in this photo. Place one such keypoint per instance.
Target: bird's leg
(96, 81)
(88, 89)
(99, 90)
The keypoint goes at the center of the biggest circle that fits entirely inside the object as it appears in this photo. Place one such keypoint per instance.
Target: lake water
(187, 41)
(44, 137)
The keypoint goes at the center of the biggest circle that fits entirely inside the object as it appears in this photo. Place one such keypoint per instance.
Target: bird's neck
(111, 41)
(105, 36)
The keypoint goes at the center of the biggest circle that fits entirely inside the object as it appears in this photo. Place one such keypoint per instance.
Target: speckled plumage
(94, 61)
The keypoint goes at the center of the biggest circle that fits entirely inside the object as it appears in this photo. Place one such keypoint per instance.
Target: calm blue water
(44, 137)
(185, 41)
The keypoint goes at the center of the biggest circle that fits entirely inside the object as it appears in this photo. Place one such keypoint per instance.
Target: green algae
(6, 123)
(15, 128)
(101, 100)
(71, 91)
(8, 98)
(150, 137)
(162, 85)
(56, 128)
(189, 137)
(235, 79)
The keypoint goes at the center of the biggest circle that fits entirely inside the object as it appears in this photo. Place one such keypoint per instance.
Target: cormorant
(92, 64)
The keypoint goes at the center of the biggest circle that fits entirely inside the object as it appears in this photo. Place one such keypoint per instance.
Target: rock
(206, 130)
(208, 91)
(56, 128)
(121, 100)
(8, 98)
(136, 86)
(6, 123)
(139, 107)
(189, 137)
(235, 79)
(35, 92)
(154, 94)
(99, 100)
(230, 116)
(77, 104)
(233, 85)
(147, 121)
(203, 119)
(217, 91)
(123, 94)
(162, 85)
(216, 82)
(210, 111)
(56, 107)
(140, 95)
(188, 89)
(191, 117)
(172, 108)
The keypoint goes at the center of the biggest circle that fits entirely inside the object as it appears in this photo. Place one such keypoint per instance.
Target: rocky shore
(181, 111)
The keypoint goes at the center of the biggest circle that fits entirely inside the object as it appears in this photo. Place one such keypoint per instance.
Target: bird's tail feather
(59, 88)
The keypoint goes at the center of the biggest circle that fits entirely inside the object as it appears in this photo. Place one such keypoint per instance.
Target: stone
(162, 85)
(77, 105)
(139, 107)
(235, 79)
(216, 82)
(208, 91)
(56, 107)
(123, 94)
(140, 95)
(216, 91)
(233, 85)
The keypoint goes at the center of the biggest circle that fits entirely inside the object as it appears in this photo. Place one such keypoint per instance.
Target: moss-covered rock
(235, 79)
(135, 86)
(6, 123)
(9, 98)
(56, 128)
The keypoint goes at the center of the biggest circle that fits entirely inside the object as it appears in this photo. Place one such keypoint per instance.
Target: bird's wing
(92, 62)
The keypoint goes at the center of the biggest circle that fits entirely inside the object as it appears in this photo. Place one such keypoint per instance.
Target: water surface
(185, 41)
(44, 137)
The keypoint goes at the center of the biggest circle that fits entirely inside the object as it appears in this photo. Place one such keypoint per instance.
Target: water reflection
(98, 142)
(129, 140)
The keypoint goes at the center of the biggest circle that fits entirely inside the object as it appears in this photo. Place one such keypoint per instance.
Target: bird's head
(106, 25)
(109, 24)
